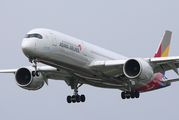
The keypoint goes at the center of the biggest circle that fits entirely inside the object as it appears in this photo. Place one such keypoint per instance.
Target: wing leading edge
(48, 71)
(8, 71)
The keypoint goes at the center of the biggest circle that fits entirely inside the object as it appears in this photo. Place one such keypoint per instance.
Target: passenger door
(84, 49)
(54, 40)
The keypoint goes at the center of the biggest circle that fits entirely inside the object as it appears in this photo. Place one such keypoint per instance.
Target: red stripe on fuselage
(152, 85)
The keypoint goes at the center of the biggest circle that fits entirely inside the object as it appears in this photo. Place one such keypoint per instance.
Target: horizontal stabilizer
(171, 80)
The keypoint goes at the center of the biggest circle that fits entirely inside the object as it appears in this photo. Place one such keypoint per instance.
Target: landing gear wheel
(73, 99)
(128, 95)
(123, 95)
(83, 98)
(33, 73)
(77, 98)
(37, 73)
(132, 94)
(68, 99)
(137, 94)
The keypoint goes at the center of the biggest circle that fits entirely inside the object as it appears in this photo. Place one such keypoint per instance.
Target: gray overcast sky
(130, 28)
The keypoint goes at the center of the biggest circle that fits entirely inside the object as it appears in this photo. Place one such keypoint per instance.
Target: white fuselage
(74, 56)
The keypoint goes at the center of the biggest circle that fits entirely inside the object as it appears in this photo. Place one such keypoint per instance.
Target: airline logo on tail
(164, 46)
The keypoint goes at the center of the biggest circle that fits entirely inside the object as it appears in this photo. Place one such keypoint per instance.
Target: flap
(109, 67)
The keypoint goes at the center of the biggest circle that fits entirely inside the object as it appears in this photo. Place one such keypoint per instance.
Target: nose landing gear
(36, 72)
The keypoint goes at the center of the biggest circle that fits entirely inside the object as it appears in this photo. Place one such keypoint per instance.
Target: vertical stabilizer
(164, 45)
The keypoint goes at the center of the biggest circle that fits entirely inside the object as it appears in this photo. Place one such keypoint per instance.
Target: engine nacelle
(24, 79)
(138, 69)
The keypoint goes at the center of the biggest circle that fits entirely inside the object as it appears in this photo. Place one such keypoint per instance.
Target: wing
(8, 71)
(109, 67)
(47, 71)
(115, 67)
(162, 64)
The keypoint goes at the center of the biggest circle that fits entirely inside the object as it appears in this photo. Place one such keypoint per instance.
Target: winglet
(164, 45)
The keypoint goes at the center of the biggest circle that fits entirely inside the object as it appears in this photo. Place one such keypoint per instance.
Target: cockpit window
(33, 35)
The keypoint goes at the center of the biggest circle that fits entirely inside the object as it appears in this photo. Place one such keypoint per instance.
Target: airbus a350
(78, 62)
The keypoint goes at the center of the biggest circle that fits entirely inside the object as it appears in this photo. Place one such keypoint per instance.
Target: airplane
(78, 62)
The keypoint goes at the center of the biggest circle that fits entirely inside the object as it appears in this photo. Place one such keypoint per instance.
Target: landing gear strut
(75, 97)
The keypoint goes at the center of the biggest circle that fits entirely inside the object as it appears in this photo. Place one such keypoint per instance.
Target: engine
(138, 69)
(24, 79)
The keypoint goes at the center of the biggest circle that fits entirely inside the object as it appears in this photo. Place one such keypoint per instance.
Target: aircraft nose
(27, 48)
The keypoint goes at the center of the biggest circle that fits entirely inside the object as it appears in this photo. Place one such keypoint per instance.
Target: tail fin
(164, 45)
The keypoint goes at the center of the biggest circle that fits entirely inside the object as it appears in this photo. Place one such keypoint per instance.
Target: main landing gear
(128, 94)
(75, 97)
